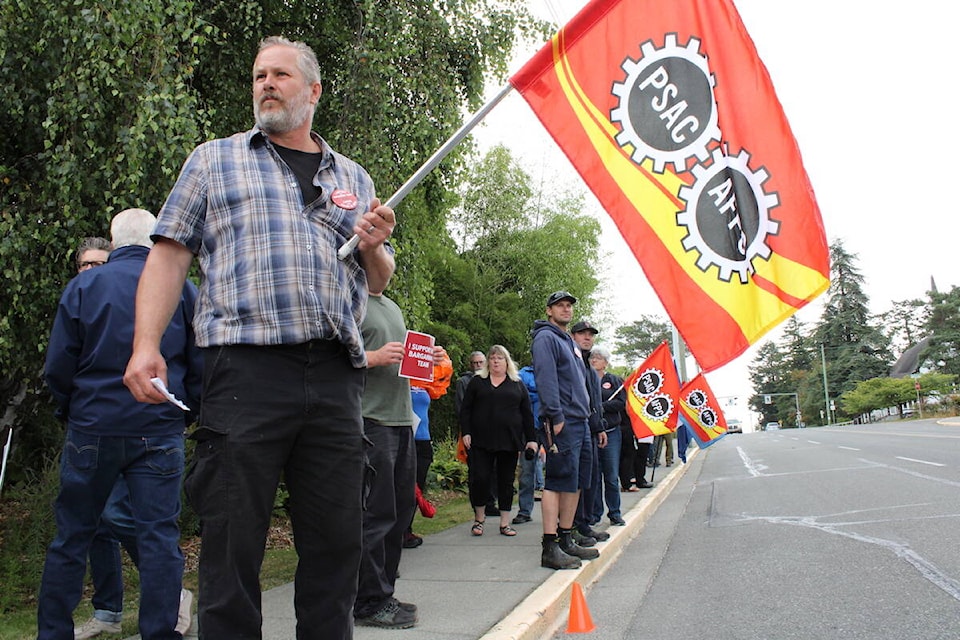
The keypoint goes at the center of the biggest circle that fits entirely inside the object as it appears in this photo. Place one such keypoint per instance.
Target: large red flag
(702, 412)
(652, 393)
(671, 119)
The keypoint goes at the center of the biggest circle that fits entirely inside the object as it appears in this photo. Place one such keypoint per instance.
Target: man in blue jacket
(531, 470)
(110, 434)
(565, 409)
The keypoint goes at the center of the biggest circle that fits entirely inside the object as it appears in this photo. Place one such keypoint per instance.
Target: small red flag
(702, 411)
(652, 392)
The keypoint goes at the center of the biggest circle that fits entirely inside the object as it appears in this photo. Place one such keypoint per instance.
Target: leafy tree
(797, 348)
(856, 349)
(117, 93)
(100, 114)
(397, 77)
(934, 384)
(768, 374)
(882, 393)
(877, 393)
(514, 254)
(904, 324)
(637, 340)
(944, 331)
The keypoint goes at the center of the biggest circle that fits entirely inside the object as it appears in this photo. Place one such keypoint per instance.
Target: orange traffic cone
(580, 620)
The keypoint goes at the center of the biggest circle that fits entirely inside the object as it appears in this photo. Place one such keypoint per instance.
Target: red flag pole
(431, 163)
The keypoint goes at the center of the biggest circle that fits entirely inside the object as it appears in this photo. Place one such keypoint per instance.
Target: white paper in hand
(172, 399)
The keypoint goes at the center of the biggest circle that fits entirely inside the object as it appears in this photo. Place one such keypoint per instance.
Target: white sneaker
(185, 615)
(94, 627)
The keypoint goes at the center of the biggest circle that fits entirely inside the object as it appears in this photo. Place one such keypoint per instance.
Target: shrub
(26, 528)
(446, 471)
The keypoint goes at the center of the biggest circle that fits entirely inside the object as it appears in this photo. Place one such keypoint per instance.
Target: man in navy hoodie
(111, 435)
(565, 409)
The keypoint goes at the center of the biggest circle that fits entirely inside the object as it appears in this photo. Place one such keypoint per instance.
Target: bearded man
(278, 319)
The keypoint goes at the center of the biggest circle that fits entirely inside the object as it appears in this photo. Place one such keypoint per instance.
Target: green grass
(453, 508)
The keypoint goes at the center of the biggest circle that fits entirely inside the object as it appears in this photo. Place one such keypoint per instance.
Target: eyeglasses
(89, 264)
(476, 362)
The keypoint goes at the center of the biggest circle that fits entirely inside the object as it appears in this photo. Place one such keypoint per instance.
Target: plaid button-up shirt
(270, 273)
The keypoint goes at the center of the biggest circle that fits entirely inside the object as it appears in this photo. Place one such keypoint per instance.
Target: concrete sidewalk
(490, 587)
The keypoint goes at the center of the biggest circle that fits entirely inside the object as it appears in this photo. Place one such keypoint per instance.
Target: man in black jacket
(584, 334)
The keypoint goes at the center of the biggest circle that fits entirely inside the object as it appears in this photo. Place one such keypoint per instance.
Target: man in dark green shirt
(388, 426)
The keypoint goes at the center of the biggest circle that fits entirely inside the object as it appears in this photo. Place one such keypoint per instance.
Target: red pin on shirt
(344, 199)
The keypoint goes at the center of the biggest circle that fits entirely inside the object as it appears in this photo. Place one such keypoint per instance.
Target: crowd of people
(286, 362)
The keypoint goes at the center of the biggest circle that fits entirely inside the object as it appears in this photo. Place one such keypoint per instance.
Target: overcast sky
(868, 90)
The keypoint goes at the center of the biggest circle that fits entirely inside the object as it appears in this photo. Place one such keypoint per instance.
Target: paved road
(845, 532)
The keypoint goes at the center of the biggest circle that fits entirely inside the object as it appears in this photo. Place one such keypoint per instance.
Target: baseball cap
(557, 296)
(584, 325)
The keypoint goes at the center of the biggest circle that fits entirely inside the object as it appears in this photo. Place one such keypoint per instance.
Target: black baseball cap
(557, 296)
(584, 325)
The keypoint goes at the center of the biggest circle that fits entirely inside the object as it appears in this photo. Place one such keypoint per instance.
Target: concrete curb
(545, 610)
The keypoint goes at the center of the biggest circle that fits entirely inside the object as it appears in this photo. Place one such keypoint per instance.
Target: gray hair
(306, 58)
(601, 351)
(92, 243)
(132, 227)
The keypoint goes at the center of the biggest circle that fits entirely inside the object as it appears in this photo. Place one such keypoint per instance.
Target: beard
(291, 113)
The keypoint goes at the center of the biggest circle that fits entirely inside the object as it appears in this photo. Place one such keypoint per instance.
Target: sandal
(477, 528)
(507, 530)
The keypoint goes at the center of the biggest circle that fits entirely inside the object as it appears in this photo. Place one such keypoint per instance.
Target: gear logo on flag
(697, 399)
(658, 408)
(666, 110)
(648, 383)
(648, 388)
(708, 417)
(727, 215)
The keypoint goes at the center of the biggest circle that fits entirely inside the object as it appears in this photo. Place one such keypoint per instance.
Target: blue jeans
(116, 528)
(528, 470)
(89, 469)
(610, 473)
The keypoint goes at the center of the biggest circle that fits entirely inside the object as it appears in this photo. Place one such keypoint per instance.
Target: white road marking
(813, 442)
(848, 448)
(927, 569)
(915, 474)
(932, 464)
(753, 468)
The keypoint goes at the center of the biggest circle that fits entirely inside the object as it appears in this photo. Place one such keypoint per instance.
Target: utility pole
(796, 400)
(680, 354)
(826, 393)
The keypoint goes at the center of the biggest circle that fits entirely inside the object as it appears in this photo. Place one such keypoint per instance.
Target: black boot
(571, 548)
(583, 540)
(589, 532)
(553, 558)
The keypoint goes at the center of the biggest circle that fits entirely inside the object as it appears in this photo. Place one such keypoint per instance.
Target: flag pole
(431, 163)
(6, 453)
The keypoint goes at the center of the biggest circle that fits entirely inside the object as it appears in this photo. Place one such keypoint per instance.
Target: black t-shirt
(305, 166)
